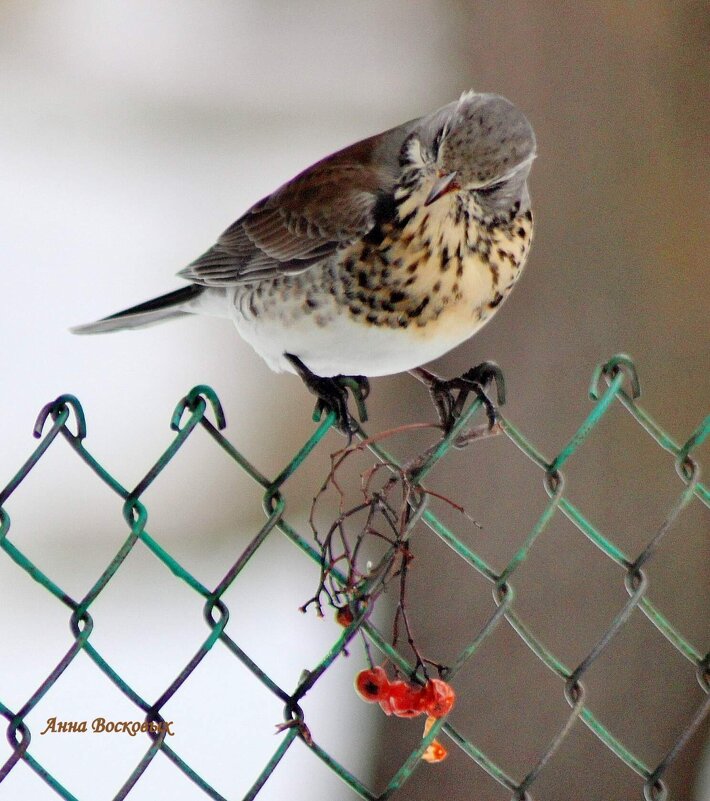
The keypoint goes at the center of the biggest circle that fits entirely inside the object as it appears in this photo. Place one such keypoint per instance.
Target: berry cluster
(435, 699)
(404, 700)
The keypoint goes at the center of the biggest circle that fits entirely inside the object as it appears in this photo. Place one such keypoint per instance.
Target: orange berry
(372, 684)
(344, 616)
(438, 698)
(404, 700)
(385, 705)
(435, 751)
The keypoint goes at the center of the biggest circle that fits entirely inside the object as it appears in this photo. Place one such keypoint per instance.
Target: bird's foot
(450, 395)
(332, 394)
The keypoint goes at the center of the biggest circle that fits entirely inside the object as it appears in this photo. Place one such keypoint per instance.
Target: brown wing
(322, 209)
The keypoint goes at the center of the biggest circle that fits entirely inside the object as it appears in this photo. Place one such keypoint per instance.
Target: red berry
(385, 705)
(372, 684)
(404, 700)
(390, 695)
(438, 698)
(344, 616)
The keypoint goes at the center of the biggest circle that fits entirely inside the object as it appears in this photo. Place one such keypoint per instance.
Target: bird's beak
(441, 187)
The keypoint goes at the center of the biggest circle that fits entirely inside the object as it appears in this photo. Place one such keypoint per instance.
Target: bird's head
(482, 144)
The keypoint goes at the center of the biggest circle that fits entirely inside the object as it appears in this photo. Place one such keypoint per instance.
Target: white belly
(342, 346)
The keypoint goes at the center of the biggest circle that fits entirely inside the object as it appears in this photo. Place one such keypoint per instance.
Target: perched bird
(375, 260)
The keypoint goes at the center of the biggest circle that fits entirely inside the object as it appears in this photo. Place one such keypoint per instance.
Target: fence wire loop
(81, 624)
(687, 468)
(399, 531)
(655, 790)
(196, 400)
(503, 593)
(211, 605)
(135, 513)
(635, 580)
(16, 727)
(56, 409)
(554, 483)
(294, 717)
(620, 363)
(695, 440)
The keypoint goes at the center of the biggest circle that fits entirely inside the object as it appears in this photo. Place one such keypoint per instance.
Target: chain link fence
(64, 418)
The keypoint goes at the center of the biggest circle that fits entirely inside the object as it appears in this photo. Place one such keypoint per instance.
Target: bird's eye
(491, 188)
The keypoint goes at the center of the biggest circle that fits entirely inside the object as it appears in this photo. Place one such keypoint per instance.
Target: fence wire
(55, 419)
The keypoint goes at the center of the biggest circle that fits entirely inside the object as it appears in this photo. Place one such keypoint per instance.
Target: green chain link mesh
(190, 413)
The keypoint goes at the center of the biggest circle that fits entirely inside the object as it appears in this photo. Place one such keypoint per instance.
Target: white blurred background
(131, 134)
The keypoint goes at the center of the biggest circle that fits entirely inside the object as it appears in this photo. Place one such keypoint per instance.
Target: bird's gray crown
(485, 139)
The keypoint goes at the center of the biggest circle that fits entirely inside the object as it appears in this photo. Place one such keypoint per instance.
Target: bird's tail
(165, 307)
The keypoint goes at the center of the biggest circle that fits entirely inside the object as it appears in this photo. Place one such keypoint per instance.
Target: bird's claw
(359, 386)
(333, 397)
(332, 394)
(449, 406)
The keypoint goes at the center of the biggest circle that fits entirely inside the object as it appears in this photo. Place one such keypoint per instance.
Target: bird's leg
(450, 406)
(332, 394)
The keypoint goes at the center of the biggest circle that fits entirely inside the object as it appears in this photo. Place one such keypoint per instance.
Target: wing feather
(324, 208)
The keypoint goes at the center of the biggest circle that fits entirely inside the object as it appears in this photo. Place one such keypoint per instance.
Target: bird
(375, 260)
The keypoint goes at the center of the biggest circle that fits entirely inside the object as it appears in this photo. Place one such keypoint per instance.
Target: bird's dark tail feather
(165, 307)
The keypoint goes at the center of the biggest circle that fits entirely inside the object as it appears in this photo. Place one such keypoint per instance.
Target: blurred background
(131, 135)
